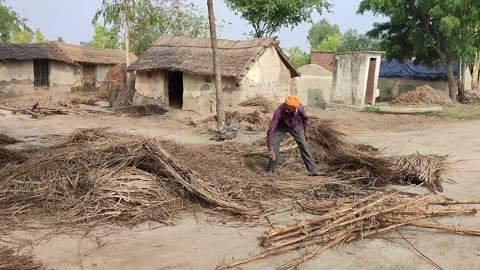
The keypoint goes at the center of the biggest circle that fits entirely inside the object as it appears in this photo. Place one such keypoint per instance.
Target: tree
(216, 67)
(22, 37)
(10, 23)
(105, 38)
(320, 31)
(298, 57)
(330, 44)
(150, 19)
(352, 41)
(38, 36)
(431, 32)
(269, 16)
(60, 39)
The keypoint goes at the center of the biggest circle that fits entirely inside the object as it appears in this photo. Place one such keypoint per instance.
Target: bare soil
(203, 241)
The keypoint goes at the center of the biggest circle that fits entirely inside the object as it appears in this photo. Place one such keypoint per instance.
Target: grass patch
(459, 111)
(372, 109)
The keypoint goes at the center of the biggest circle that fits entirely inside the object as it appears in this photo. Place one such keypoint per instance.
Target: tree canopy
(321, 31)
(269, 16)
(298, 57)
(429, 31)
(26, 36)
(10, 23)
(105, 38)
(150, 19)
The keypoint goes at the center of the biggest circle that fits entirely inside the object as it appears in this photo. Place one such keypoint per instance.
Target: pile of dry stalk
(266, 104)
(36, 111)
(102, 177)
(5, 139)
(11, 261)
(342, 221)
(141, 110)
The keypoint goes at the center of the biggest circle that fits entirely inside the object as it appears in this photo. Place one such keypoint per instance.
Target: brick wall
(324, 59)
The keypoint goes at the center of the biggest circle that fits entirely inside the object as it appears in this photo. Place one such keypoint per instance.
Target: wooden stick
(448, 228)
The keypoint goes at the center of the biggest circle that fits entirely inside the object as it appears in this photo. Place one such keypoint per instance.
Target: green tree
(430, 31)
(352, 41)
(330, 44)
(38, 36)
(22, 37)
(298, 57)
(150, 19)
(320, 31)
(60, 39)
(10, 23)
(269, 16)
(105, 38)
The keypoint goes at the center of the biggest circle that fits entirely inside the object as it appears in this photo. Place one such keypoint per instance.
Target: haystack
(260, 101)
(9, 260)
(103, 177)
(422, 95)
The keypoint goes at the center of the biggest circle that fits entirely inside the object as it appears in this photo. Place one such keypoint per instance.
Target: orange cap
(292, 101)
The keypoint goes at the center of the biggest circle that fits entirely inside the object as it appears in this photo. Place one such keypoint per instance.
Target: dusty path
(196, 243)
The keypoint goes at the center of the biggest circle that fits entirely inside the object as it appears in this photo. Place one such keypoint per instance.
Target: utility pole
(216, 67)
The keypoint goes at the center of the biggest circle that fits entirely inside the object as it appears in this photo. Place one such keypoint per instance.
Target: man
(290, 117)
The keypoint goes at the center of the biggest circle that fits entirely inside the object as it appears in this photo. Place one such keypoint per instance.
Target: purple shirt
(290, 121)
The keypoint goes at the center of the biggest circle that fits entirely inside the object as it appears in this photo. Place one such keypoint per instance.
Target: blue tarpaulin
(395, 68)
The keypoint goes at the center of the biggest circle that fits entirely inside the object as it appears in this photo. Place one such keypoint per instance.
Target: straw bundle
(5, 139)
(343, 221)
(141, 110)
(260, 101)
(100, 178)
(11, 261)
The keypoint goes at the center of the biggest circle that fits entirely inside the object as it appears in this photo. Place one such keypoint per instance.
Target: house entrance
(89, 76)
(175, 90)
(41, 74)
(370, 94)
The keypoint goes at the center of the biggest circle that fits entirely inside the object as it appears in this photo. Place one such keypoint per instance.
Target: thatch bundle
(342, 221)
(260, 101)
(141, 110)
(105, 177)
(5, 139)
(11, 261)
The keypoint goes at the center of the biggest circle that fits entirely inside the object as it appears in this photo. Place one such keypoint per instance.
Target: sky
(71, 20)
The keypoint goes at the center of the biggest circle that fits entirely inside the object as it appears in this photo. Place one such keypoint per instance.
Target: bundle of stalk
(10, 261)
(5, 140)
(260, 101)
(343, 221)
(141, 110)
(99, 177)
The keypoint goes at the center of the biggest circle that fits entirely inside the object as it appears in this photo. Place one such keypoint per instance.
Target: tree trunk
(476, 74)
(451, 80)
(461, 81)
(216, 67)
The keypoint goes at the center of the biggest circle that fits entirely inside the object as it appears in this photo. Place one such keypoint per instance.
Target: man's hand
(271, 154)
(307, 135)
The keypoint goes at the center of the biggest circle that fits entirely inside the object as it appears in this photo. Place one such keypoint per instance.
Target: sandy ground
(204, 241)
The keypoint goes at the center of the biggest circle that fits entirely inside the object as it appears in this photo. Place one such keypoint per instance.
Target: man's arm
(277, 116)
(305, 118)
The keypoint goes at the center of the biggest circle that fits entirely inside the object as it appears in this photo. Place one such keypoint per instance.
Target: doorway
(89, 75)
(370, 93)
(175, 90)
(41, 72)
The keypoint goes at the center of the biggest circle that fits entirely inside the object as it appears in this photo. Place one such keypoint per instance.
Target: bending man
(290, 117)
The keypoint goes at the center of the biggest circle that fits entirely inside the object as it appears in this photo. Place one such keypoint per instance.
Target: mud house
(178, 72)
(25, 68)
(355, 78)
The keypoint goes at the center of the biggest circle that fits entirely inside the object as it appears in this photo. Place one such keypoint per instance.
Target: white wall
(63, 74)
(268, 77)
(350, 78)
(102, 71)
(16, 70)
(153, 86)
(312, 90)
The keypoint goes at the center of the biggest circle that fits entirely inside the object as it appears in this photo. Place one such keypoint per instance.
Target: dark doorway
(175, 90)
(40, 74)
(370, 94)
(89, 75)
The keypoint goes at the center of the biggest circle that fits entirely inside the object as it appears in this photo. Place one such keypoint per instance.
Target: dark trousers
(302, 143)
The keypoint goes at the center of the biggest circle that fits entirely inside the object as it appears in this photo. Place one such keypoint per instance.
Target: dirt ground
(203, 241)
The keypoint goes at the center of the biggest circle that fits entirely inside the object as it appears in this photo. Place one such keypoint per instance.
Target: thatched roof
(72, 54)
(194, 56)
(24, 52)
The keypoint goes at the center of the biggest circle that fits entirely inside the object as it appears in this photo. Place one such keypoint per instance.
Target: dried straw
(260, 101)
(340, 222)
(5, 139)
(141, 110)
(9, 260)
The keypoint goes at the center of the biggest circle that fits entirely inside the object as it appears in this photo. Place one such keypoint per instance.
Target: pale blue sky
(71, 19)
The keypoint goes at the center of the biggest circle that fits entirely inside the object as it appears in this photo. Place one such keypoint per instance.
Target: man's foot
(313, 173)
